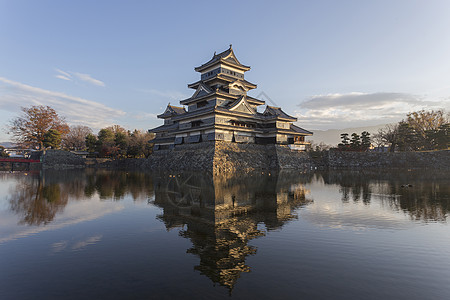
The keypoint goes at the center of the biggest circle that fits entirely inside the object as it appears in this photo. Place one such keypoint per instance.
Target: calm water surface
(123, 235)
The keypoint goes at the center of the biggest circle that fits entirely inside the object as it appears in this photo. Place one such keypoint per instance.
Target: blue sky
(333, 64)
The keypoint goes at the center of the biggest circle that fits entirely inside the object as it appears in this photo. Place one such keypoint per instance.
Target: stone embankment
(410, 160)
(223, 157)
(58, 159)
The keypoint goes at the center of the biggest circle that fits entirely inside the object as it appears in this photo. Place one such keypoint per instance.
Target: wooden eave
(222, 61)
(212, 95)
(226, 111)
(255, 101)
(225, 79)
(195, 113)
(287, 131)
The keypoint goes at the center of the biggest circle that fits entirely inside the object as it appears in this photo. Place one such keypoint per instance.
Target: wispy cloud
(89, 79)
(74, 76)
(63, 75)
(361, 109)
(77, 110)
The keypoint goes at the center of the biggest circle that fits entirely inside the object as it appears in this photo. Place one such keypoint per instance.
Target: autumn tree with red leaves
(30, 128)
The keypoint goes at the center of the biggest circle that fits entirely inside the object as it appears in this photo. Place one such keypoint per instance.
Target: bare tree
(389, 135)
(320, 146)
(76, 138)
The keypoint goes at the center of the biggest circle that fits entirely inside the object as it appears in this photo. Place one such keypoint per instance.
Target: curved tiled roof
(171, 111)
(226, 56)
(300, 130)
(276, 111)
(225, 78)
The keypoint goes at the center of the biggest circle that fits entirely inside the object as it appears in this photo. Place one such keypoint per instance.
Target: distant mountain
(333, 136)
(7, 144)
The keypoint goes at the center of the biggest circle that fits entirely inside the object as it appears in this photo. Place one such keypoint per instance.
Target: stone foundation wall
(235, 157)
(410, 160)
(198, 156)
(58, 159)
(221, 157)
(288, 159)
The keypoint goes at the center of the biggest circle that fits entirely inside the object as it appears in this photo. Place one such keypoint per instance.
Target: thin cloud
(360, 109)
(63, 75)
(89, 79)
(74, 76)
(77, 110)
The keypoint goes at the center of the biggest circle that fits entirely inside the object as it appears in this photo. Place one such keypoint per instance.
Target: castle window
(202, 104)
(197, 123)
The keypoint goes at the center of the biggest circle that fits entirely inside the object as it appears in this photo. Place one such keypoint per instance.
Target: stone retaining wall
(223, 157)
(410, 160)
(192, 157)
(58, 159)
(234, 157)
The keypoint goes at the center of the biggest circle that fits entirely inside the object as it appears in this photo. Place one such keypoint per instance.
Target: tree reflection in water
(37, 201)
(37, 198)
(220, 215)
(422, 194)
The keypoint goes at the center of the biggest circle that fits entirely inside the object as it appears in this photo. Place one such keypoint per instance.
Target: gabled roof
(300, 130)
(277, 112)
(242, 102)
(202, 90)
(226, 57)
(239, 85)
(255, 101)
(171, 111)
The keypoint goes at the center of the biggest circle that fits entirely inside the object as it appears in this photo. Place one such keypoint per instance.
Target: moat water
(323, 235)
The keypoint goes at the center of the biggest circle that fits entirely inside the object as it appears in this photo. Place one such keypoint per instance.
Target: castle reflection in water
(221, 215)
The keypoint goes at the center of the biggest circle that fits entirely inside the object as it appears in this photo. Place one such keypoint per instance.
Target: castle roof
(171, 111)
(201, 91)
(224, 78)
(300, 130)
(226, 57)
(278, 112)
(164, 127)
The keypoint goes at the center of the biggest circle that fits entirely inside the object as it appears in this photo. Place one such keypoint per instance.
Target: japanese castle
(221, 110)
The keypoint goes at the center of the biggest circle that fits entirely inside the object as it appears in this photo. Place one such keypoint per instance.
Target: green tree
(105, 142)
(355, 142)
(91, 142)
(440, 138)
(406, 137)
(112, 141)
(425, 123)
(365, 140)
(139, 144)
(52, 139)
(121, 141)
(2, 152)
(345, 142)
